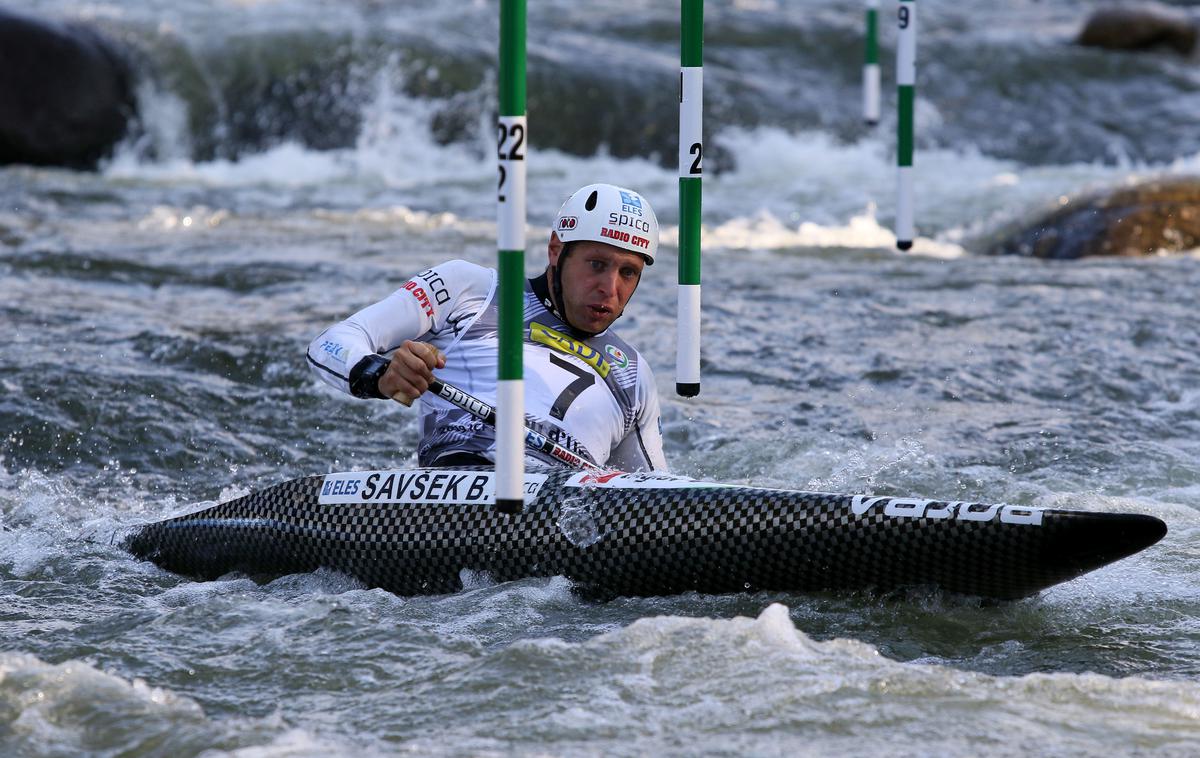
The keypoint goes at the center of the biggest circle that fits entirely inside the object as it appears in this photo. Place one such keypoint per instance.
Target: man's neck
(542, 291)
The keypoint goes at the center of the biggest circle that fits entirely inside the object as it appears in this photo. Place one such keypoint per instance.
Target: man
(585, 388)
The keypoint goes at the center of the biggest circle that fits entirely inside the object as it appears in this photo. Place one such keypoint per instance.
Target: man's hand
(411, 371)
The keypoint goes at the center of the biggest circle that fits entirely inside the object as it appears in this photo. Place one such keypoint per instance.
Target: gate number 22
(517, 133)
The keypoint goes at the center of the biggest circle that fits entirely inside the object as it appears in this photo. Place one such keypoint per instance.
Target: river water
(296, 160)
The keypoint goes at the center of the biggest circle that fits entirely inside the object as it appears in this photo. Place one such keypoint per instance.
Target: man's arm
(350, 355)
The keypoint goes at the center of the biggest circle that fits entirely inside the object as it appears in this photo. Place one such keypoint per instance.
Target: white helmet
(610, 214)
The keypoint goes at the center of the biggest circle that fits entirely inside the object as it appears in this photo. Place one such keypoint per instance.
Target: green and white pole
(871, 66)
(691, 149)
(906, 79)
(510, 196)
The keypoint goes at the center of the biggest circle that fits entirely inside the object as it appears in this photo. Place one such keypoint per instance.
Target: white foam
(789, 189)
(698, 654)
(484, 606)
(763, 231)
(287, 165)
(394, 148)
(58, 707)
(73, 708)
(293, 743)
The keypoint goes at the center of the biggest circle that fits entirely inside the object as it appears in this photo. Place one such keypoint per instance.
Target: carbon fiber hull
(416, 532)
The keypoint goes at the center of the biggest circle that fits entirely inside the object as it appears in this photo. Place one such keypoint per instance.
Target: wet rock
(66, 93)
(1141, 27)
(1162, 215)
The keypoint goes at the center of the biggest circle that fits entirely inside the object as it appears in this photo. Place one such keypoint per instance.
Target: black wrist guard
(364, 377)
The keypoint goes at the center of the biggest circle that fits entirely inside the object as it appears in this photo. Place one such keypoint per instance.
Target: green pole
(512, 144)
(871, 66)
(691, 149)
(906, 79)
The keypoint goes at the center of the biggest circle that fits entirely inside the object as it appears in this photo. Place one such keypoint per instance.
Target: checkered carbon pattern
(652, 542)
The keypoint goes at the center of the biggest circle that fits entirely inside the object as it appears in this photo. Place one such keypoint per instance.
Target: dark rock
(66, 93)
(1139, 28)
(1130, 221)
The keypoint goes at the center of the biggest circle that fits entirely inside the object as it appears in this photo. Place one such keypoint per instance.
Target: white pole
(691, 149)
(906, 79)
(871, 66)
(511, 145)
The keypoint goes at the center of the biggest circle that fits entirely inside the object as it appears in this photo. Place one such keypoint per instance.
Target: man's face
(597, 281)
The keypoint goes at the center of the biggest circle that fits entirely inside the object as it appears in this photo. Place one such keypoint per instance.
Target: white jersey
(595, 396)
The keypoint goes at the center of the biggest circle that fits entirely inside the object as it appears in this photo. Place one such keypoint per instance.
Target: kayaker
(585, 387)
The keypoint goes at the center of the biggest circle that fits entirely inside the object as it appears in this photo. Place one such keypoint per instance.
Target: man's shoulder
(610, 337)
(621, 355)
(460, 269)
(458, 276)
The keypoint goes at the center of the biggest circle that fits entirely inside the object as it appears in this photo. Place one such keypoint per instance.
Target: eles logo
(567, 223)
(629, 198)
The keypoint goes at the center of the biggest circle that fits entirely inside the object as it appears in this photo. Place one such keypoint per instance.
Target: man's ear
(554, 249)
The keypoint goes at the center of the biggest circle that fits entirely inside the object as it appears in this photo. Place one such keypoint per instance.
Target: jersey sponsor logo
(646, 480)
(437, 285)
(335, 349)
(903, 507)
(556, 340)
(565, 447)
(422, 298)
(618, 355)
(567, 223)
(620, 236)
(624, 219)
(444, 487)
(615, 234)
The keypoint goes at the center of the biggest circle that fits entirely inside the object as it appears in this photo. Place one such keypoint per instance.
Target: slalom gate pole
(510, 232)
(691, 149)
(906, 76)
(871, 66)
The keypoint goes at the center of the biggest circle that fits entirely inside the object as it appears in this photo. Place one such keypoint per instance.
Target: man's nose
(609, 282)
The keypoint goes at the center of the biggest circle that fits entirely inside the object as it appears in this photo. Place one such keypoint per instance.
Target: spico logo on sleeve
(418, 486)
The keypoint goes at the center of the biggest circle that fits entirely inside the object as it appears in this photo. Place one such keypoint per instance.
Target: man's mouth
(599, 311)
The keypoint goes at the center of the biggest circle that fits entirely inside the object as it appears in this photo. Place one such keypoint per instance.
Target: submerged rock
(1139, 28)
(66, 94)
(1161, 215)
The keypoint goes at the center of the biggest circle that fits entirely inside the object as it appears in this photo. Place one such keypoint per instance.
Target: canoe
(422, 531)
